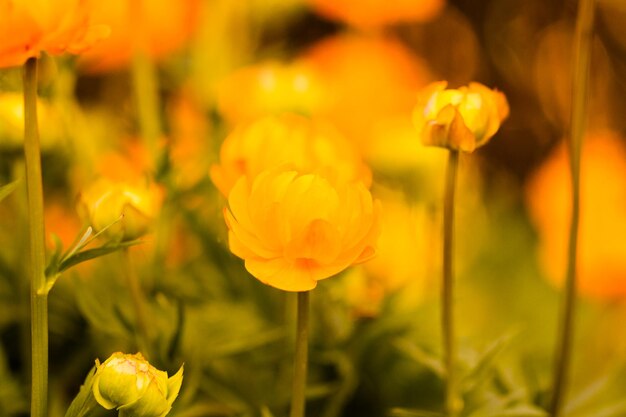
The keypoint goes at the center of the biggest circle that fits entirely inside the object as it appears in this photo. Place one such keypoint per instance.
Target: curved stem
(447, 286)
(38, 294)
(301, 356)
(582, 58)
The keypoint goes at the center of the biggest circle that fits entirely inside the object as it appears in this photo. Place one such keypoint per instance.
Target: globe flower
(156, 28)
(12, 122)
(460, 119)
(125, 210)
(29, 27)
(134, 387)
(295, 229)
(375, 13)
(352, 69)
(270, 88)
(601, 257)
(307, 145)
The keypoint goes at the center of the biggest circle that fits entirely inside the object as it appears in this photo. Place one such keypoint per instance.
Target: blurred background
(158, 98)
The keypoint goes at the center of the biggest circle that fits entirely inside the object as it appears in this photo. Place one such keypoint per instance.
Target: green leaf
(7, 189)
(88, 254)
(420, 356)
(84, 403)
(405, 412)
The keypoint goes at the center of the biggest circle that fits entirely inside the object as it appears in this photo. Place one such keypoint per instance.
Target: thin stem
(139, 305)
(38, 295)
(301, 357)
(447, 286)
(147, 102)
(582, 57)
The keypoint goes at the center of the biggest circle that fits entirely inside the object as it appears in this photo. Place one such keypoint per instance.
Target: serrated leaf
(84, 402)
(420, 356)
(88, 254)
(7, 189)
(485, 363)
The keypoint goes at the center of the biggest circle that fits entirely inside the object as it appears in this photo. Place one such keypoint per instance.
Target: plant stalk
(447, 287)
(298, 392)
(37, 254)
(581, 64)
(139, 304)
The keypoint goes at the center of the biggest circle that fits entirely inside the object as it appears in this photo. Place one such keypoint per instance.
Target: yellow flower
(12, 122)
(295, 229)
(462, 119)
(28, 27)
(305, 144)
(270, 88)
(126, 210)
(133, 386)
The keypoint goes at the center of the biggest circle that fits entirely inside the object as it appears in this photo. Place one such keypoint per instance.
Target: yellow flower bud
(462, 119)
(134, 387)
(126, 211)
(295, 229)
(307, 145)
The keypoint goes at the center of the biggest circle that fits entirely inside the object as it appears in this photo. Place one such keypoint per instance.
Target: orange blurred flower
(601, 253)
(269, 88)
(29, 27)
(305, 144)
(156, 28)
(295, 229)
(374, 13)
(460, 119)
(365, 80)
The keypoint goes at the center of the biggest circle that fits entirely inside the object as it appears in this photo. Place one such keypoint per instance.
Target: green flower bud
(134, 387)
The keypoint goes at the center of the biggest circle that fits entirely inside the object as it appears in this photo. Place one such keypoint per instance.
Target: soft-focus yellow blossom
(128, 210)
(269, 88)
(461, 119)
(156, 28)
(406, 260)
(29, 27)
(374, 13)
(295, 229)
(365, 80)
(601, 252)
(12, 122)
(135, 388)
(307, 145)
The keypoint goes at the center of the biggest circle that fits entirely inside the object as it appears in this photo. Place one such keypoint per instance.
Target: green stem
(447, 286)
(147, 103)
(301, 357)
(582, 58)
(139, 305)
(38, 294)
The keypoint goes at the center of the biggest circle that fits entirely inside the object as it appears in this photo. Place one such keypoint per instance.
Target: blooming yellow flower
(28, 27)
(126, 210)
(134, 387)
(307, 145)
(461, 119)
(295, 229)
